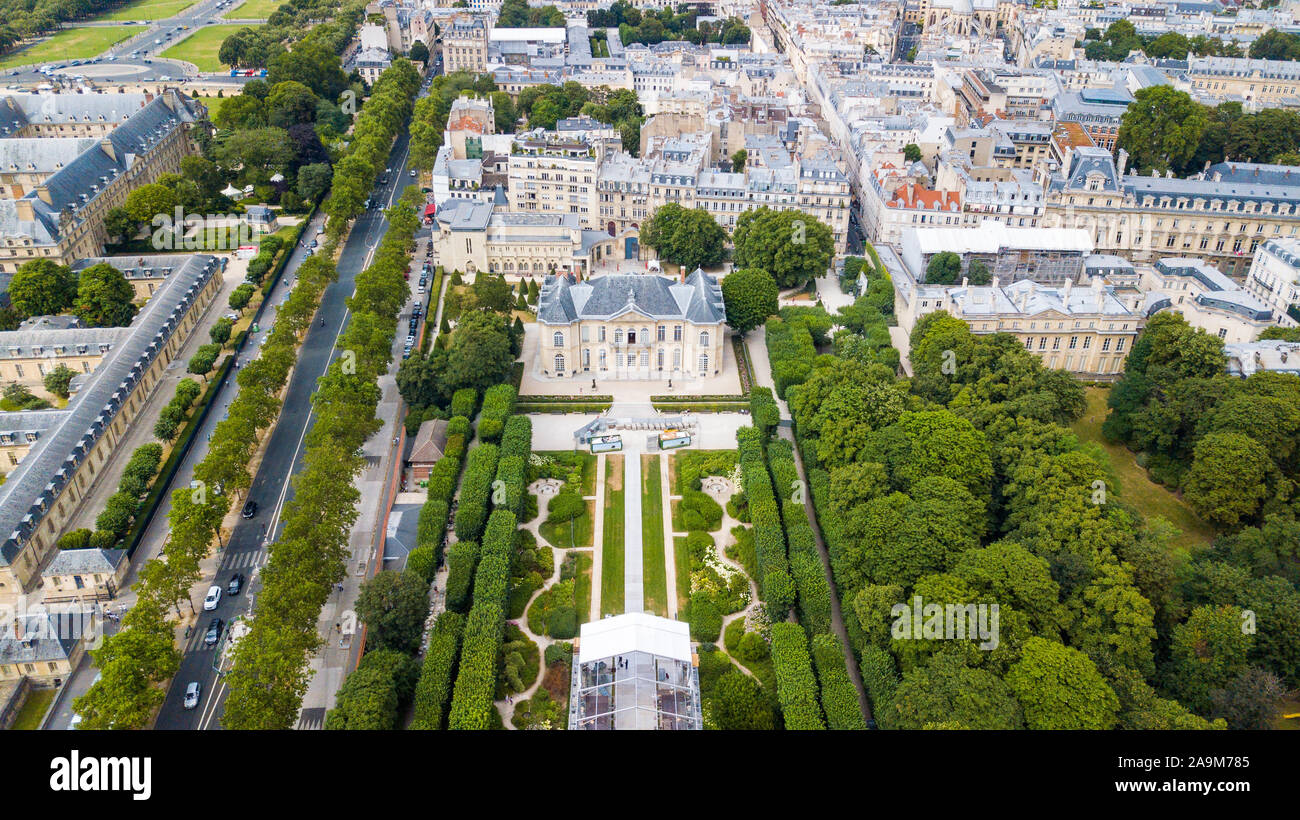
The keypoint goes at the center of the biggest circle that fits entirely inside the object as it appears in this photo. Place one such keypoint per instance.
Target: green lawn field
(71, 44)
(202, 46)
(652, 538)
(253, 10)
(1135, 487)
(149, 10)
(611, 553)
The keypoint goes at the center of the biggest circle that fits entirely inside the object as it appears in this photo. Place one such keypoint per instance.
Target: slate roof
(565, 300)
(84, 562)
(43, 639)
(30, 489)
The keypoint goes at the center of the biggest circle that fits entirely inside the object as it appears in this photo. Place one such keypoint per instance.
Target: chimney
(1123, 161)
(18, 629)
(995, 282)
(1065, 292)
(44, 194)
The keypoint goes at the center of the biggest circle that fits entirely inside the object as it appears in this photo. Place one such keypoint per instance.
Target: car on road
(250, 509)
(192, 691)
(213, 598)
(213, 634)
(412, 173)
(236, 584)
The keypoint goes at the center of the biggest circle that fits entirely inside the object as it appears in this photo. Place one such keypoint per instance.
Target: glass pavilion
(635, 671)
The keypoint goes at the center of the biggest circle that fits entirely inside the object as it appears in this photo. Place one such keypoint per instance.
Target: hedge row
(498, 405)
(173, 413)
(880, 679)
(597, 397)
(764, 410)
(791, 351)
(839, 698)
(729, 398)
(492, 578)
(806, 569)
(531, 406)
(434, 689)
(775, 585)
(431, 532)
(471, 701)
(711, 407)
(464, 402)
(462, 558)
(475, 491)
(796, 688)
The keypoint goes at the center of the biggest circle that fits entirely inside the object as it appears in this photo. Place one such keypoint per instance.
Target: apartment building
(1274, 277)
(465, 43)
(555, 173)
(1257, 83)
(1206, 298)
(1047, 256)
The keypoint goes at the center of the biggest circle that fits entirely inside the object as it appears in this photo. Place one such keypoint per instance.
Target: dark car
(236, 584)
(250, 509)
(214, 632)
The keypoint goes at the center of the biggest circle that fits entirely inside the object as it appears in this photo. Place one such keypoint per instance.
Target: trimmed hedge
(464, 401)
(498, 405)
(434, 689)
(471, 702)
(512, 472)
(791, 351)
(475, 490)
(880, 679)
(517, 438)
(764, 410)
(461, 560)
(796, 688)
(492, 578)
(839, 698)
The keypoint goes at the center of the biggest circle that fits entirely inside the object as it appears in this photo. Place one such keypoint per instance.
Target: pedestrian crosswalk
(243, 560)
(312, 719)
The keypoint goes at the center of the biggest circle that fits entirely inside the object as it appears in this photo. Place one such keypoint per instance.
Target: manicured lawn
(33, 709)
(149, 10)
(1135, 488)
(611, 556)
(71, 44)
(202, 46)
(582, 585)
(575, 533)
(213, 103)
(253, 10)
(682, 560)
(652, 540)
(585, 458)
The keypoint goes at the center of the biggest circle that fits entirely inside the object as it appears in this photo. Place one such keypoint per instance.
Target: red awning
(430, 209)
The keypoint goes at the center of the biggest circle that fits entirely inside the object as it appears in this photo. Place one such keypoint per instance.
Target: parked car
(236, 584)
(192, 692)
(213, 634)
(250, 509)
(213, 598)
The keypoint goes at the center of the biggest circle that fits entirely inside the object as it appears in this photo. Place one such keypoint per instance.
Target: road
(246, 551)
(135, 60)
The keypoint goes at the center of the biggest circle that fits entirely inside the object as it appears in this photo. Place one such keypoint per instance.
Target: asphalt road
(246, 551)
(145, 65)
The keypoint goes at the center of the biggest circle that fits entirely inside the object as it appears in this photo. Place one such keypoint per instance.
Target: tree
(691, 238)
(219, 333)
(978, 273)
(104, 297)
(290, 103)
(947, 690)
(944, 269)
(240, 112)
(1229, 477)
(750, 296)
(1162, 128)
(1059, 688)
(41, 287)
(59, 380)
(912, 152)
(738, 161)
(790, 245)
(479, 355)
(393, 606)
(202, 361)
(738, 703)
(314, 181)
(419, 52)
(417, 381)
(118, 224)
(1249, 701)
(147, 201)
(1206, 653)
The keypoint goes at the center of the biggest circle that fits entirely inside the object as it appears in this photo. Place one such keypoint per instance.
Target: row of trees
(270, 673)
(649, 26)
(1165, 129)
(1121, 38)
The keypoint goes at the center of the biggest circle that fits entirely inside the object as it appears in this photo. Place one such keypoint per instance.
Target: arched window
(558, 339)
(704, 339)
(704, 363)
(559, 364)
(618, 336)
